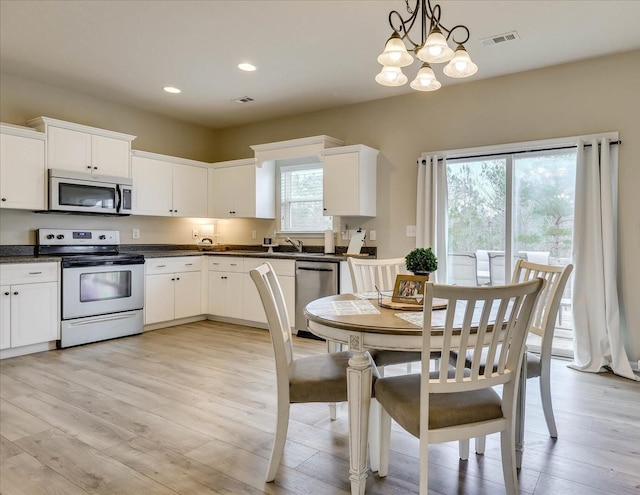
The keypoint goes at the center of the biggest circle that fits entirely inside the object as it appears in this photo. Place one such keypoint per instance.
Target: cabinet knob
(15, 293)
(89, 167)
(173, 279)
(177, 278)
(6, 293)
(95, 168)
(4, 199)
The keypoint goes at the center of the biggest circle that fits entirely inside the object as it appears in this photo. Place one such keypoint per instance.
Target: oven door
(102, 289)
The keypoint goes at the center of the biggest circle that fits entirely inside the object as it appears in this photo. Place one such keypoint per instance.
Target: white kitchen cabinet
(172, 288)
(349, 181)
(22, 168)
(30, 302)
(87, 149)
(168, 186)
(286, 273)
(226, 287)
(241, 189)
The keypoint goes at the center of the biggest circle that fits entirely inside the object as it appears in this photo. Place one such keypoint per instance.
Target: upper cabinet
(349, 181)
(168, 186)
(242, 189)
(22, 168)
(85, 149)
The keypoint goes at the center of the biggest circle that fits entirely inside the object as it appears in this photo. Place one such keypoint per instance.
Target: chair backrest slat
(367, 274)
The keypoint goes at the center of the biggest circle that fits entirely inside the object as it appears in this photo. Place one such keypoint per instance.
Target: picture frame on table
(409, 289)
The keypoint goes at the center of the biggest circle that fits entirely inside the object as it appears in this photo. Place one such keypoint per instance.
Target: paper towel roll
(328, 242)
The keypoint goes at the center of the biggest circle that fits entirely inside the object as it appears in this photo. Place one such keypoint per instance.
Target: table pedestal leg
(520, 410)
(359, 376)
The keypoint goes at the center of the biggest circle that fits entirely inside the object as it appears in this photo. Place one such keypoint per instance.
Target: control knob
(102, 237)
(60, 236)
(50, 236)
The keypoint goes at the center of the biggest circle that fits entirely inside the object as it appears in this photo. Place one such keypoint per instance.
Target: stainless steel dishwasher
(314, 279)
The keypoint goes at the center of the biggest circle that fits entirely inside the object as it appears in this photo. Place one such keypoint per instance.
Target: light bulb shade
(460, 65)
(425, 79)
(435, 49)
(391, 76)
(395, 53)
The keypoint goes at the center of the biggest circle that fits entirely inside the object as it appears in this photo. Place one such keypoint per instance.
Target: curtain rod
(424, 162)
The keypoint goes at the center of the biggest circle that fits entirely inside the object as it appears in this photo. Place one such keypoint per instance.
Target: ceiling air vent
(500, 38)
(243, 99)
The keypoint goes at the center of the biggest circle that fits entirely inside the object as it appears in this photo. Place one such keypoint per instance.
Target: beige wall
(573, 99)
(580, 98)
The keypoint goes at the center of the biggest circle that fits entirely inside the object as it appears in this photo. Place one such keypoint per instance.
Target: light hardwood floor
(191, 410)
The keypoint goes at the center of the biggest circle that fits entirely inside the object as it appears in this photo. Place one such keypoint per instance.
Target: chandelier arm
(404, 26)
(459, 28)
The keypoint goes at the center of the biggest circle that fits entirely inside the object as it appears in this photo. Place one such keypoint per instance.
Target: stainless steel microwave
(87, 193)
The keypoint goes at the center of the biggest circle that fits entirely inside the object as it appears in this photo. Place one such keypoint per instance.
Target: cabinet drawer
(225, 264)
(26, 273)
(156, 266)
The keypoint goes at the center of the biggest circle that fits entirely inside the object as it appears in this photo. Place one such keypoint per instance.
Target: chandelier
(429, 49)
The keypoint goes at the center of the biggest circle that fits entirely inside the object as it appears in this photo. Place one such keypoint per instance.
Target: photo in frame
(409, 289)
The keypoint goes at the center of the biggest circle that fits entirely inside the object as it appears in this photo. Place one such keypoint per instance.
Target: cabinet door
(340, 184)
(22, 173)
(189, 191)
(221, 184)
(110, 156)
(159, 298)
(152, 187)
(234, 297)
(243, 189)
(217, 293)
(31, 326)
(5, 317)
(187, 294)
(68, 150)
(253, 308)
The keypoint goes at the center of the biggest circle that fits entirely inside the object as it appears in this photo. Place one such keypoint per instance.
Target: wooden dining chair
(319, 378)
(380, 275)
(459, 403)
(543, 325)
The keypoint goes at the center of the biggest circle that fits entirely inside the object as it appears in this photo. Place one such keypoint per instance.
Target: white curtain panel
(431, 214)
(597, 339)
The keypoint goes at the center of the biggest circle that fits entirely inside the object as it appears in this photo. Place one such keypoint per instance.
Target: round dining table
(362, 324)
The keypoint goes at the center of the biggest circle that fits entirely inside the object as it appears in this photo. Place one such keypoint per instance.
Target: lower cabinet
(29, 304)
(172, 288)
(225, 287)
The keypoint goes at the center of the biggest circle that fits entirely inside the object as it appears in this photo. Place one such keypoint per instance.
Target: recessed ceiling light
(247, 67)
(171, 89)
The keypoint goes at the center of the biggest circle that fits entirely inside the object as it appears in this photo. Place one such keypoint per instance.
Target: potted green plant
(422, 261)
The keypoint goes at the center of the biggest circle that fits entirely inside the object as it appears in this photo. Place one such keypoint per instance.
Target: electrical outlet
(345, 235)
(194, 234)
(372, 235)
(135, 233)
(253, 234)
(411, 230)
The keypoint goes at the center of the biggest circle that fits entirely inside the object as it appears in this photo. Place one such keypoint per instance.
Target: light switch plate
(372, 235)
(135, 233)
(411, 230)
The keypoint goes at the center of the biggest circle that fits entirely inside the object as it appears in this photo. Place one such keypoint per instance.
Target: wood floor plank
(191, 409)
(17, 423)
(24, 474)
(88, 468)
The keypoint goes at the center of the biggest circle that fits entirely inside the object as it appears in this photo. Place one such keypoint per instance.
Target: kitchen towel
(329, 247)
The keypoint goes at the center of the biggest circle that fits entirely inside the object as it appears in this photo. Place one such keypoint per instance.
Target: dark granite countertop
(25, 254)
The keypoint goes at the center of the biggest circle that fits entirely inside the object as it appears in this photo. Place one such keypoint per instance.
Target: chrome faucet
(296, 244)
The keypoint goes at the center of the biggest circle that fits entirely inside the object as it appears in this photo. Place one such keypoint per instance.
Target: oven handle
(122, 316)
(70, 263)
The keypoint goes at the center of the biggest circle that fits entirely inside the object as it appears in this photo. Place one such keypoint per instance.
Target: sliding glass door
(511, 206)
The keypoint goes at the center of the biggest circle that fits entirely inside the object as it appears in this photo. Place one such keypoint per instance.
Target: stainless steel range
(102, 290)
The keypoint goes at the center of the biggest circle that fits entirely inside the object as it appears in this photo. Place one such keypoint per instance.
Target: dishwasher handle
(315, 269)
